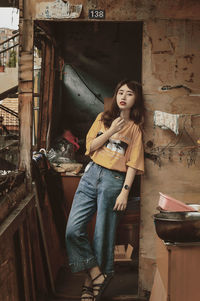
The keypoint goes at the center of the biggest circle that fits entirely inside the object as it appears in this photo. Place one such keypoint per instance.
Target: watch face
(126, 187)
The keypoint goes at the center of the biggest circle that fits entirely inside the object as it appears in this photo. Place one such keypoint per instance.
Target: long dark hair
(137, 110)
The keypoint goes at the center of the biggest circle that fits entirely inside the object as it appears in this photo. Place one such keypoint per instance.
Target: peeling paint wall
(136, 10)
(57, 9)
(175, 51)
(171, 59)
(171, 75)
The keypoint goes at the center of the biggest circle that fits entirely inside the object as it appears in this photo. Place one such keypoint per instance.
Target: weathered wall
(8, 79)
(171, 57)
(136, 10)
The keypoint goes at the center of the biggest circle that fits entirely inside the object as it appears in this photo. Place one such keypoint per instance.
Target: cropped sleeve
(93, 131)
(136, 153)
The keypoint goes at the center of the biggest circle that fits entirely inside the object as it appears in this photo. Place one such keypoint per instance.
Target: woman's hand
(121, 202)
(117, 125)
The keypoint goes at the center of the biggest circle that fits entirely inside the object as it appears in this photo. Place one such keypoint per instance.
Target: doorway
(96, 56)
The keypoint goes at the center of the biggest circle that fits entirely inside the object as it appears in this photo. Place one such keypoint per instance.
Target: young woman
(114, 144)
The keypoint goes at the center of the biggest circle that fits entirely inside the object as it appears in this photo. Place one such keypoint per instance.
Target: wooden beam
(9, 289)
(51, 81)
(25, 113)
(11, 224)
(41, 280)
(26, 96)
(43, 50)
(30, 256)
(24, 263)
(47, 92)
(11, 200)
(9, 91)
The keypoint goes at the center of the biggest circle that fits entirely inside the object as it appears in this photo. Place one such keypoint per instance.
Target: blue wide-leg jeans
(97, 192)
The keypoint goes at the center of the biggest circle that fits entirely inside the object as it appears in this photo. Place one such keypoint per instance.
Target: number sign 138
(96, 14)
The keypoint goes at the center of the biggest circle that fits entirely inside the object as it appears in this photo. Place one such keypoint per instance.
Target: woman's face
(125, 98)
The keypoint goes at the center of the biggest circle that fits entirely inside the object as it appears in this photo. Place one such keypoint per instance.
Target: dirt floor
(124, 283)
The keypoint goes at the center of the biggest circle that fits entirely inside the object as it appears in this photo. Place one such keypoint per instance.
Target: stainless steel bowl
(178, 215)
(178, 226)
(195, 206)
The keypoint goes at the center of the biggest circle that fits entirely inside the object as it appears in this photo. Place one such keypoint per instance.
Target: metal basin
(178, 215)
(178, 226)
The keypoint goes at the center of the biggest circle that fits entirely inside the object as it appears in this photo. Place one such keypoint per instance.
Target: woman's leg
(110, 186)
(79, 251)
(80, 254)
(102, 182)
(87, 289)
(93, 279)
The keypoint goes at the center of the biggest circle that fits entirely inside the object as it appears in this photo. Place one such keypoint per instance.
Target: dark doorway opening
(96, 56)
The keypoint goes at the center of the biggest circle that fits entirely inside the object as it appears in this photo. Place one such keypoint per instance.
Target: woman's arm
(115, 127)
(121, 201)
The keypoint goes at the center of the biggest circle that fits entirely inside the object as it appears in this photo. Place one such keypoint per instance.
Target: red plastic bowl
(170, 204)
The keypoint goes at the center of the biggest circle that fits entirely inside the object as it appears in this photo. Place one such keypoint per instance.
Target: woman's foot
(99, 282)
(87, 290)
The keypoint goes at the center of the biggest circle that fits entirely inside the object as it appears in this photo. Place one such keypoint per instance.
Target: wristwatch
(126, 187)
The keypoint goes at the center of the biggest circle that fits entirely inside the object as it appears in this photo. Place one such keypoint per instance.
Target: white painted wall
(8, 79)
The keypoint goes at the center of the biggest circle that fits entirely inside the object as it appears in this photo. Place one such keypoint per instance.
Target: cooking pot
(178, 226)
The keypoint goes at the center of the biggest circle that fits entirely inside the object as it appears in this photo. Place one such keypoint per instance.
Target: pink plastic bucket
(170, 204)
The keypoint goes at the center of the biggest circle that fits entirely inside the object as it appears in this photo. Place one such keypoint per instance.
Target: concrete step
(116, 298)
(125, 298)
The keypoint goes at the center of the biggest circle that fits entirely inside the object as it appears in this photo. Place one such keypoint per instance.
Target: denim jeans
(97, 192)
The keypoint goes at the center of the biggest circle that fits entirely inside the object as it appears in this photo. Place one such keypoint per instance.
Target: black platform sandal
(100, 287)
(87, 290)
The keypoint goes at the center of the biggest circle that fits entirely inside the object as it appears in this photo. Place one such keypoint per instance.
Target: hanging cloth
(167, 121)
